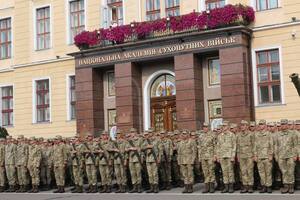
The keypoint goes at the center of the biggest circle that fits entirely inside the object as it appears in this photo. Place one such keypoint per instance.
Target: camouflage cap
(271, 124)
(9, 137)
(150, 130)
(205, 124)
(118, 131)
(283, 121)
(58, 137)
(193, 133)
(2, 139)
(20, 137)
(184, 132)
(262, 122)
(176, 132)
(233, 125)
(278, 124)
(252, 123)
(225, 123)
(32, 138)
(297, 122)
(146, 133)
(290, 122)
(162, 132)
(244, 122)
(132, 130)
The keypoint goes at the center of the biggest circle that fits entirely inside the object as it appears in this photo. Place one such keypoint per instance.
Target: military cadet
(225, 154)
(77, 164)
(187, 152)
(166, 152)
(21, 163)
(59, 163)
(245, 154)
(47, 164)
(286, 155)
(105, 161)
(263, 155)
(2, 164)
(151, 149)
(297, 169)
(206, 154)
(133, 148)
(34, 160)
(10, 167)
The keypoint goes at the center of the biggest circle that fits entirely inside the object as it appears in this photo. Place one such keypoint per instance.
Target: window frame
(202, 5)
(13, 105)
(68, 92)
(215, 2)
(34, 101)
(35, 27)
(267, 8)
(257, 102)
(172, 8)
(153, 12)
(209, 85)
(108, 111)
(11, 37)
(117, 4)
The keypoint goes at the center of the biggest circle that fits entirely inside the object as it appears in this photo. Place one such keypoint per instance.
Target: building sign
(156, 51)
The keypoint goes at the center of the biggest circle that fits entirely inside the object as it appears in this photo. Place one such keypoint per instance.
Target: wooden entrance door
(163, 113)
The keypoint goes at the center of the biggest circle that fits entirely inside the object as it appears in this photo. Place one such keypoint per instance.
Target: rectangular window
(77, 18)
(172, 8)
(111, 84)
(214, 71)
(211, 4)
(266, 4)
(7, 105)
(42, 101)
(112, 118)
(116, 12)
(268, 76)
(152, 10)
(43, 28)
(5, 38)
(72, 97)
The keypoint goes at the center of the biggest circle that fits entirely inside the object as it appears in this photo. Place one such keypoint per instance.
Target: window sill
(40, 50)
(5, 58)
(267, 9)
(71, 120)
(269, 105)
(8, 126)
(41, 123)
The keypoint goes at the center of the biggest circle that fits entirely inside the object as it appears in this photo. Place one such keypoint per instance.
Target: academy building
(49, 87)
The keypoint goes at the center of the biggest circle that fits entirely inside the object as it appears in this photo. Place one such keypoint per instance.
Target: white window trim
(34, 110)
(207, 61)
(68, 98)
(12, 34)
(2, 86)
(35, 28)
(202, 7)
(67, 11)
(254, 72)
(253, 5)
(108, 20)
(107, 81)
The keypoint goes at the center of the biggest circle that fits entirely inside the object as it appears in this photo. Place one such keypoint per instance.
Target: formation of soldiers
(243, 157)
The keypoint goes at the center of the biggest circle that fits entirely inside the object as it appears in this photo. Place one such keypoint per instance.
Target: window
(152, 10)
(72, 97)
(266, 4)
(211, 4)
(5, 38)
(172, 8)
(42, 101)
(214, 72)
(111, 84)
(268, 76)
(115, 12)
(77, 18)
(163, 86)
(43, 28)
(112, 118)
(7, 105)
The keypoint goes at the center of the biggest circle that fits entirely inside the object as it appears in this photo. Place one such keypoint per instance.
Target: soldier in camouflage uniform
(47, 164)
(286, 155)
(133, 148)
(166, 152)
(21, 163)
(151, 150)
(119, 157)
(245, 154)
(10, 161)
(225, 154)
(263, 155)
(187, 152)
(59, 162)
(297, 169)
(206, 155)
(174, 162)
(2, 164)
(34, 161)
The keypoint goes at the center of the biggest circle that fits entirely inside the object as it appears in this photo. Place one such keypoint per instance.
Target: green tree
(3, 132)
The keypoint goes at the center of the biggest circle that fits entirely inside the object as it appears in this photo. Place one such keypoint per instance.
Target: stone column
(189, 91)
(89, 104)
(236, 84)
(129, 105)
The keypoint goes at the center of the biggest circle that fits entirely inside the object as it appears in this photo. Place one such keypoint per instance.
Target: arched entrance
(163, 103)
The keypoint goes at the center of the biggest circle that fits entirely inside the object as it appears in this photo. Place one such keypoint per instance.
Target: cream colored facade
(272, 29)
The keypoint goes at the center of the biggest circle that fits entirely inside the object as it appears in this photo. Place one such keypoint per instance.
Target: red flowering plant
(247, 13)
(184, 22)
(85, 39)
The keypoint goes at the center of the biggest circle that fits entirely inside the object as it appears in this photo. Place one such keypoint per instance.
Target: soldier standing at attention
(46, 164)
(206, 154)
(297, 170)
(226, 152)
(263, 155)
(34, 161)
(174, 162)
(245, 154)
(135, 161)
(2, 164)
(77, 164)
(21, 163)
(10, 153)
(286, 155)
(166, 152)
(59, 162)
(187, 152)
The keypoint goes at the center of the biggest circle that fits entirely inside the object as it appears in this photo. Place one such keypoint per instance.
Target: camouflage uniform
(46, 165)
(77, 166)
(21, 163)
(10, 167)
(34, 160)
(2, 166)
(166, 153)
(297, 169)
(90, 168)
(105, 164)
(174, 162)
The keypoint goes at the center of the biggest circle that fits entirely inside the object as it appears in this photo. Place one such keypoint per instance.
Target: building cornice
(274, 26)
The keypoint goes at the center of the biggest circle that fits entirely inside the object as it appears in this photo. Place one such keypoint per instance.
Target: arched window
(163, 86)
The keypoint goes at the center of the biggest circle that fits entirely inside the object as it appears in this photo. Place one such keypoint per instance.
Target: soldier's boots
(2, 189)
(206, 188)
(285, 189)
(155, 188)
(151, 189)
(211, 187)
(191, 188)
(10, 188)
(226, 188)
(134, 189)
(245, 189)
(168, 186)
(93, 189)
(108, 189)
(269, 190)
(263, 189)
(74, 188)
(250, 189)
(119, 189)
(20, 190)
(103, 189)
(185, 189)
(80, 189)
(123, 188)
(231, 189)
(35, 189)
(139, 188)
(60, 189)
(291, 188)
